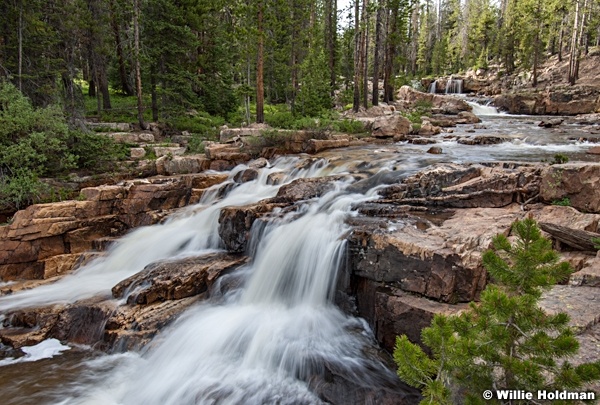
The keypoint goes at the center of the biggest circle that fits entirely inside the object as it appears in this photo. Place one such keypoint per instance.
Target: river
(263, 342)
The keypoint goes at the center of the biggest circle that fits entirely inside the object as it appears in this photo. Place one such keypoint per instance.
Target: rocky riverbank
(552, 95)
(412, 253)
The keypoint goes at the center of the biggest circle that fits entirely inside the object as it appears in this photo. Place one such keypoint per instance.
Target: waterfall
(265, 345)
(479, 109)
(191, 232)
(454, 86)
(433, 87)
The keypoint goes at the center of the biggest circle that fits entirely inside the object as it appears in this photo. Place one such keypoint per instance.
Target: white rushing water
(261, 346)
(193, 231)
(479, 109)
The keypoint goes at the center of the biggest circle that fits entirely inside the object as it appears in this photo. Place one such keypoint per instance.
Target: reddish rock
(579, 182)
(235, 223)
(594, 150)
(409, 97)
(392, 312)
(43, 231)
(390, 126)
(175, 279)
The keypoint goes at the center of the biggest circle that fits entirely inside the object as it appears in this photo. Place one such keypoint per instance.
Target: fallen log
(576, 238)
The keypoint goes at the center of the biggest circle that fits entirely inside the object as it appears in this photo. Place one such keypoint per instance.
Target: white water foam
(264, 345)
(479, 109)
(193, 231)
(43, 350)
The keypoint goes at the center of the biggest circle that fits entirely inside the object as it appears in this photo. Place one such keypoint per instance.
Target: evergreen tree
(506, 341)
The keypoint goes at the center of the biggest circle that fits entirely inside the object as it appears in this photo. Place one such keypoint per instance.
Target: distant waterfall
(433, 87)
(454, 86)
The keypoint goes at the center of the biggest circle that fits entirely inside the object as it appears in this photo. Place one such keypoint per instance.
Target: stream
(264, 342)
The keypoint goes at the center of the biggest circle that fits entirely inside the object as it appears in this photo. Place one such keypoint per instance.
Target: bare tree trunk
(260, 90)
(574, 57)
(330, 40)
(561, 38)
(125, 86)
(537, 45)
(390, 55)
(138, 67)
(365, 54)
(377, 53)
(357, 54)
(20, 71)
(154, 95)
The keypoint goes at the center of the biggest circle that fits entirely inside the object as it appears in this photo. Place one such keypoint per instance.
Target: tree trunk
(365, 54)
(125, 86)
(154, 95)
(330, 40)
(138, 67)
(574, 56)
(578, 239)
(390, 55)
(357, 54)
(377, 53)
(536, 43)
(20, 68)
(561, 38)
(260, 91)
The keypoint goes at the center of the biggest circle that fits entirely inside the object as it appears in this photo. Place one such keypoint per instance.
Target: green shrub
(20, 189)
(559, 158)
(96, 152)
(563, 202)
(349, 126)
(37, 142)
(505, 342)
(596, 242)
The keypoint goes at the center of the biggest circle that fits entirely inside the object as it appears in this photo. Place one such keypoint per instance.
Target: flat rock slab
(580, 303)
(175, 279)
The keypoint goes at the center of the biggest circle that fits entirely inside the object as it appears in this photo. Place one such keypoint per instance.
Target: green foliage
(596, 242)
(559, 159)
(313, 96)
(563, 202)
(36, 142)
(420, 109)
(506, 341)
(20, 189)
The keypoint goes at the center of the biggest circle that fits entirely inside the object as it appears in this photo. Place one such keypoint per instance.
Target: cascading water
(433, 87)
(192, 232)
(479, 109)
(267, 344)
(454, 86)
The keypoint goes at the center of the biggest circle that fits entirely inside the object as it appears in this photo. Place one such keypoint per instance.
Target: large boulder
(389, 126)
(577, 182)
(414, 260)
(235, 223)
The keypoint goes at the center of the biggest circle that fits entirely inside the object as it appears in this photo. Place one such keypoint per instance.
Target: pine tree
(506, 341)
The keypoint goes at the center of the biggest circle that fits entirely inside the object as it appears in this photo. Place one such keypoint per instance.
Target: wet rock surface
(70, 228)
(174, 280)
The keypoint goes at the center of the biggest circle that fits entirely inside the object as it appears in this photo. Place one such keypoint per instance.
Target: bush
(564, 202)
(95, 152)
(505, 342)
(559, 159)
(37, 142)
